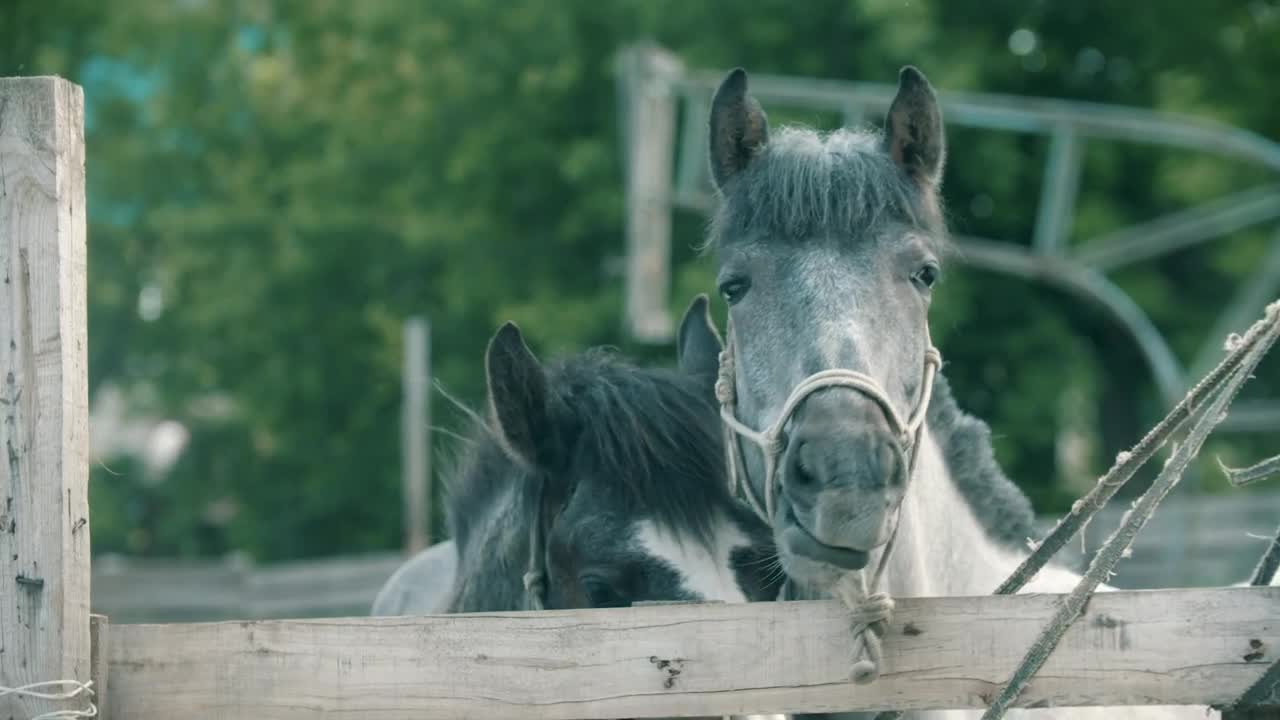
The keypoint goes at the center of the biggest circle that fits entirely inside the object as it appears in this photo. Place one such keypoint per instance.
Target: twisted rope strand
(1128, 463)
(1118, 544)
(1239, 477)
(31, 690)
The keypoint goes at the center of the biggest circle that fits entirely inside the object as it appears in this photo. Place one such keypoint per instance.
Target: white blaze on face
(705, 571)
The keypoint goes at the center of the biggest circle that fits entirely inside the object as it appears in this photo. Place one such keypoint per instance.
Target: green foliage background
(294, 178)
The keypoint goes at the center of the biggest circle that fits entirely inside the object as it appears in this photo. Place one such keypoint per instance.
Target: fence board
(1187, 543)
(44, 397)
(133, 590)
(1131, 648)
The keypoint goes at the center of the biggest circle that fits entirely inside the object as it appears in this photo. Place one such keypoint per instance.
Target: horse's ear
(518, 396)
(739, 128)
(914, 135)
(698, 344)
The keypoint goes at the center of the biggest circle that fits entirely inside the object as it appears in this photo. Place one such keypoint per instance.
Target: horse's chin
(798, 539)
(819, 579)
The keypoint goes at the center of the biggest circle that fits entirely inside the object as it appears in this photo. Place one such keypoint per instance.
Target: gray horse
(421, 586)
(828, 248)
(602, 479)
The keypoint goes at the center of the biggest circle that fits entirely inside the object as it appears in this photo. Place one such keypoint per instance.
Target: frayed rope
(33, 690)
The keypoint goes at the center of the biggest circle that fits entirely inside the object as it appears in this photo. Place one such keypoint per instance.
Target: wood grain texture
(99, 670)
(650, 130)
(1131, 648)
(44, 508)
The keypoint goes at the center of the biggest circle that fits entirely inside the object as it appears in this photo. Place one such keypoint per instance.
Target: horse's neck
(941, 548)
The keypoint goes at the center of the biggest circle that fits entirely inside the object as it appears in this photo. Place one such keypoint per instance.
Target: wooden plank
(44, 508)
(651, 125)
(1131, 648)
(135, 590)
(333, 587)
(415, 437)
(205, 587)
(100, 640)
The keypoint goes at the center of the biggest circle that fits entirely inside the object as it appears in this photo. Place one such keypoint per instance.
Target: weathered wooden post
(44, 503)
(415, 441)
(649, 126)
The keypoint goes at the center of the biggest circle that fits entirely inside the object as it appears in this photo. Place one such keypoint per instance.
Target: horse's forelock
(805, 184)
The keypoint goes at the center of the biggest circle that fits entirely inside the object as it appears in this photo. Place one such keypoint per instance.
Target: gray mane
(1001, 507)
(805, 184)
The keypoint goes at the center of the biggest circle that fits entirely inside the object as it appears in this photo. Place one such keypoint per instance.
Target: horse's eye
(927, 275)
(734, 289)
(600, 594)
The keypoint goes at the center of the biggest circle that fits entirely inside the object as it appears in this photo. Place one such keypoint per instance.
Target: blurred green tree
(274, 186)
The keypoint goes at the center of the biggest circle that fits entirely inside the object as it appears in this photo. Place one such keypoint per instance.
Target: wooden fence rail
(1160, 647)
(130, 590)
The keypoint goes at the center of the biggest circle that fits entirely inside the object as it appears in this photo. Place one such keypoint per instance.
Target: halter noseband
(770, 440)
(535, 572)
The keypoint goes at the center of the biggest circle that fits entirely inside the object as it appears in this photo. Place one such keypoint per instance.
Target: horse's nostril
(802, 475)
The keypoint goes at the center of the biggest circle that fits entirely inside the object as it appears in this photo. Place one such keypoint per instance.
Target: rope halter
(870, 609)
(770, 440)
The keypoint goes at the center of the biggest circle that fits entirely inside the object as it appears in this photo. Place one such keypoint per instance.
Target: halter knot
(869, 616)
(774, 444)
(726, 394)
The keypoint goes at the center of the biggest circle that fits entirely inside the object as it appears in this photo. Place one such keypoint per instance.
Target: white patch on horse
(706, 572)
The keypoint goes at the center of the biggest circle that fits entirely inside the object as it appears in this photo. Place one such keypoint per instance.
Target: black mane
(651, 434)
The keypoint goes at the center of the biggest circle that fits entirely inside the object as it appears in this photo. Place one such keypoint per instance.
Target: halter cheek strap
(870, 608)
(535, 574)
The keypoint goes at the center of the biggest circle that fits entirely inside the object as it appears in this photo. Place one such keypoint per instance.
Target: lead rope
(870, 609)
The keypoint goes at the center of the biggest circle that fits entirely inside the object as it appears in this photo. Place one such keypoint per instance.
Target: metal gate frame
(662, 175)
